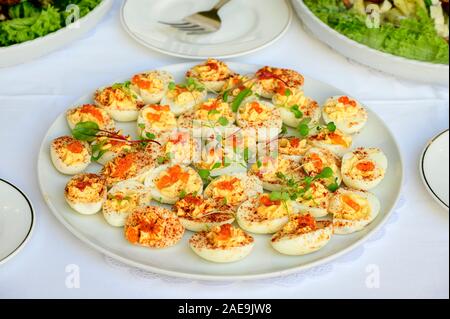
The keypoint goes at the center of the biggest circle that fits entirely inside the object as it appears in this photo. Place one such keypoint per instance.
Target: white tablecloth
(412, 256)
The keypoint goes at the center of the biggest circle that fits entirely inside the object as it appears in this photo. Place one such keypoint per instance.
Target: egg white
(218, 255)
(199, 226)
(337, 149)
(290, 120)
(90, 208)
(268, 226)
(154, 98)
(86, 208)
(378, 158)
(117, 218)
(178, 108)
(345, 226)
(69, 169)
(121, 115)
(302, 244)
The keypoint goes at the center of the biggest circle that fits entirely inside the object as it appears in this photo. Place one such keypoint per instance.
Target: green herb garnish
(240, 98)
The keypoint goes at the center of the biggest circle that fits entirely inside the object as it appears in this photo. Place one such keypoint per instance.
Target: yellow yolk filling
(340, 111)
(357, 173)
(255, 112)
(183, 97)
(353, 207)
(287, 148)
(152, 83)
(271, 167)
(117, 99)
(297, 98)
(123, 202)
(90, 193)
(274, 211)
(191, 185)
(70, 158)
(236, 238)
(221, 110)
(316, 196)
(213, 70)
(233, 194)
(341, 139)
(160, 119)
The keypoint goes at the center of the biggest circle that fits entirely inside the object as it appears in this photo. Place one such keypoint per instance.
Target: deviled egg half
(302, 235)
(184, 97)
(213, 74)
(70, 156)
(222, 244)
(168, 183)
(123, 199)
(181, 148)
(86, 193)
(335, 141)
(151, 86)
(153, 227)
(234, 189)
(270, 81)
(261, 215)
(294, 106)
(364, 168)
(353, 210)
(134, 165)
(198, 214)
(121, 103)
(89, 113)
(348, 114)
(156, 122)
(314, 201)
(105, 149)
(317, 159)
(275, 172)
(260, 119)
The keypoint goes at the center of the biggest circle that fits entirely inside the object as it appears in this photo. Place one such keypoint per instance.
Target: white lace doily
(289, 280)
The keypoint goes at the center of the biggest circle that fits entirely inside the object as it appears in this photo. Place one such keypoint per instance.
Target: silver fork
(201, 22)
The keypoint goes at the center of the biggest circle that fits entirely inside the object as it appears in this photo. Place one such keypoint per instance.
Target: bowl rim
(102, 5)
(383, 54)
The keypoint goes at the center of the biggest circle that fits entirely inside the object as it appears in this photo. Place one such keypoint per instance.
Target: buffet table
(409, 257)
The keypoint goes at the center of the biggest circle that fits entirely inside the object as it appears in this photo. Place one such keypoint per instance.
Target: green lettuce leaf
(415, 37)
(29, 22)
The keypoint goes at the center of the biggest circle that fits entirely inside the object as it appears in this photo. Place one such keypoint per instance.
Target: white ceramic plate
(16, 220)
(180, 261)
(248, 26)
(399, 66)
(27, 51)
(434, 168)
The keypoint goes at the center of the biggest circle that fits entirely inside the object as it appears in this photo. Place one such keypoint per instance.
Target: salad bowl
(385, 62)
(27, 51)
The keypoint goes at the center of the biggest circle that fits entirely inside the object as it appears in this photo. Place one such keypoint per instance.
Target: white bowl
(27, 51)
(399, 66)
